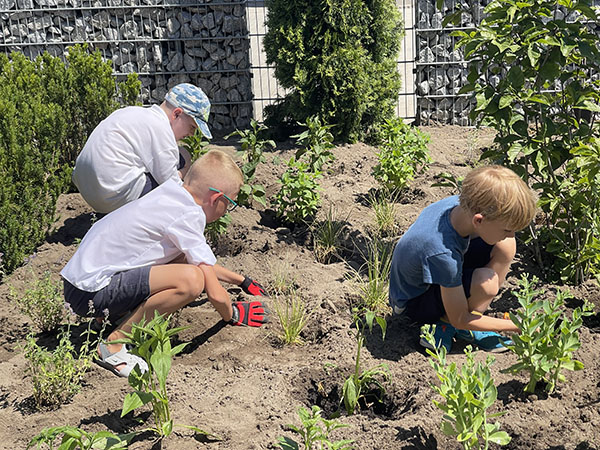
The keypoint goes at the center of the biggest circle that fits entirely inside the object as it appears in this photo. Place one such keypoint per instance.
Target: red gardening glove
(252, 314)
(253, 288)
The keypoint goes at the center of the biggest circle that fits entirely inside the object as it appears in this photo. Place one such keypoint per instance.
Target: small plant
(314, 432)
(403, 154)
(299, 197)
(283, 279)
(383, 205)
(42, 303)
(152, 342)
(316, 143)
(362, 382)
(327, 237)
(448, 180)
(468, 392)
(57, 374)
(373, 290)
(293, 316)
(252, 155)
(76, 438)
(195, 144)
(547, 337)
(217, 228)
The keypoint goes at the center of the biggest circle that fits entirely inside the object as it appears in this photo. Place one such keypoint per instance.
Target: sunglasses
(232, 204)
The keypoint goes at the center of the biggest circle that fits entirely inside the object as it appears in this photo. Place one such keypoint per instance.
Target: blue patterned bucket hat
(194, 102)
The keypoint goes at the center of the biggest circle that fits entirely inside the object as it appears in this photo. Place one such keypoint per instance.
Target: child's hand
(253, 288)
(252, 314)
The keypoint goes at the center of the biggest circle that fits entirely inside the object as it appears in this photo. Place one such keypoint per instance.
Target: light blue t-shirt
(430, 252)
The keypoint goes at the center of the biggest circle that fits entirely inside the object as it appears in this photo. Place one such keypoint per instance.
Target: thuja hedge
(337, 59)
(47, 110)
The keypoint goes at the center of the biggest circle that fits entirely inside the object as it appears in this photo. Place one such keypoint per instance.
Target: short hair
(214, 169)
(498, 193)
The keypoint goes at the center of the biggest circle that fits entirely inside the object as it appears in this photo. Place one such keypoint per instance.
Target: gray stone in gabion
(208, 64)
(208, 21)
(440, 52)
(160, 33)
(436, 20)
(111, 34)
(158, 94)
(466, 20)
(128, 67)
(129, 30)
(219, 16)
(423, 88)
(228, 25)
(218, 54)
(160, 80)
(238, 10)
(19, 15)
(438, 78)
(152, 2)
(440, 115)
(196, 52)
(220, 109)
(142, 56)
(234, 96)
(236, 58)
(184, 17)
(220, 95)
(7, 4)
(494, 80)
(423, 22)
(447, 41)
(175, 61)
(127, 47)
(228, 82)
(25, 4)
(173, 25)
(454, 73)
(177, 79)
(101, 20)
(196, 22)
(186, 31)
(18, 29)
(244, 111)
(426, 56)
(456, 56)
(189, 63)
(157, 53)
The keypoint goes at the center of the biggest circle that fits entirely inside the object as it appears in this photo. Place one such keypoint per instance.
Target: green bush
(47, 110)
(337, 58)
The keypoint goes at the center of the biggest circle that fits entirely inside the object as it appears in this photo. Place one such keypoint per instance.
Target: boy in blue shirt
(449, 265)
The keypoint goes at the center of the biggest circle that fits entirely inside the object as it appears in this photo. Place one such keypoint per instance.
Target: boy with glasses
(125, 265)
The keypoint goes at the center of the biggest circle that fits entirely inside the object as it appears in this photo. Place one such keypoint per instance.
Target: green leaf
(499, 437)
(134, 400)
(167, 427)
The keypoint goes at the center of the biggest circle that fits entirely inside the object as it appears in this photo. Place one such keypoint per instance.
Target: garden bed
(242, 385)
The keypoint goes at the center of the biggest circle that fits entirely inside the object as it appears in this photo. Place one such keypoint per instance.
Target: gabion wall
(165, 41)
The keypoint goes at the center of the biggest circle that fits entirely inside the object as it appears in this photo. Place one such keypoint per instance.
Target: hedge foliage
(47, 110)
(337, 58)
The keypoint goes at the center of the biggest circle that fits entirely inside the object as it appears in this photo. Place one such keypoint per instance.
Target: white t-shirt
(109, 171)
(150, 231)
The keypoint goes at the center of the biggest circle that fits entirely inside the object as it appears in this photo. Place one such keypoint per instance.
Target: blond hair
(214, 169)
(498, 193)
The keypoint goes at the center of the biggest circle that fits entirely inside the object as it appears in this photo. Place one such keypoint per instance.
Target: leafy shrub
(252, 155)
(314, 436)
(299, 198)
(337, 58)
(47, 110)
(403, 154)
(76, 438)
(547, 336)
(57, 374)
(43, 303)
(533, 75)
(195, 144)
(468, 392)
(316, 142)
(361, 381)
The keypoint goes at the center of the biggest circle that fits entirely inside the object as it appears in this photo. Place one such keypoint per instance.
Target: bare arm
(227, 275)
(217, 295)
(502, 257)
(188, 161)
(459, 316)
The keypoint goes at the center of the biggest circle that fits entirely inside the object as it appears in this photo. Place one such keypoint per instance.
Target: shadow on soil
(73, 229)
(417, 438)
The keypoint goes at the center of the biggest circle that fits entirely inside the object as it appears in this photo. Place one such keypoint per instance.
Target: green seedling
(152, 342)
(316, 143)
(547, 336)
(195, 144)
(293, 317)
(384, 209)
(403, 154)
(252, 155)
(57, 374)
(217, 228)
(448, 180)
(468, 392)
(283, 278)
(328, 237)
(43, 303)
(362, 382)
(373, 290)
(298, 199)
(74, 438)
(314, 432)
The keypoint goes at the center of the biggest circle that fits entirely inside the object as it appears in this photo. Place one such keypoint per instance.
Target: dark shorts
(428, 307)
(124, 293)
(151, 183)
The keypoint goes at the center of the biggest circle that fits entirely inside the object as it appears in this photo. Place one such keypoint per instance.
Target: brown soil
(242, 385)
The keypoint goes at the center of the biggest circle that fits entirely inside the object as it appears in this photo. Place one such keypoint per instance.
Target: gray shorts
(124, 293)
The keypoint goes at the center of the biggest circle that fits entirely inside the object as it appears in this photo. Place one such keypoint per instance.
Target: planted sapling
(43, 303)
(547, 336)
(152, 342)
(293, 316)
(468, 392)
(314, 432)
(373, 290)
(328, 237)
(316, 144)
(383, 205)
(298, 199)
(360, 383)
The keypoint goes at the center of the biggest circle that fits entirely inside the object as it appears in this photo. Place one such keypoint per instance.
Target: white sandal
(111, 361)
